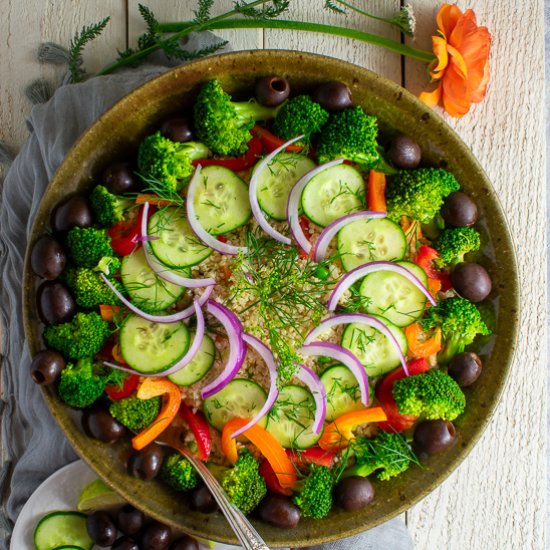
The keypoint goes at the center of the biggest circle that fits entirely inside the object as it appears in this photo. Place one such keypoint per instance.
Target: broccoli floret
(453, 244)
(178, 472)
(87, 245)
(350, 134)
(169, 162)
(432, 394)
(136, 414)
(299, 115)
(108, 265)
(80, 385)
(89, 289)
(108, 208)
(460, 322)
(388, 453)
(81, 337)
(225, 125)
(243, 483)
(419, 194)
(315, 498)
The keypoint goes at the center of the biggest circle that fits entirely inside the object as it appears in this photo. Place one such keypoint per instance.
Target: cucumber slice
(333, 193)
(241, 398)
(152, 347)
(177, 245)
(146, 289)
(370, 240)
(393, 296)
(199, 366)
(277, 179)
(343, 393)
(61, 529)
(291, 418)
(372, 348)
(221, 200)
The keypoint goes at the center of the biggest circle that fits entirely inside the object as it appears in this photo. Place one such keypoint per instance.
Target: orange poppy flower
(461, 67)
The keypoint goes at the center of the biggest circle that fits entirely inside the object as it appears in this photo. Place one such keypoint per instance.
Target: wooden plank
(496, 498)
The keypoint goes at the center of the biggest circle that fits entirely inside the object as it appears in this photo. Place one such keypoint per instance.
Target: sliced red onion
(198, 229)
(359, 272)
(362, 319)
(311, 380)
(237, 347)
(265, 353)
(179, 316)
(161, 270)
(293, 204)
(344, 356)
(145, 238)
(328, 233)
(253, 196)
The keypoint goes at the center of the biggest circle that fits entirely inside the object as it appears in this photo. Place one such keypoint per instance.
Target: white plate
(59, 492)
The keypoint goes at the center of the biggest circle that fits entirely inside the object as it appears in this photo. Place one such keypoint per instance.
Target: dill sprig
(80, 39)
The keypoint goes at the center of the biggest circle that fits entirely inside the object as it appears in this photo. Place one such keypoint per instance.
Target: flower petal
(447, 18)
(431, 99)
(458, 61)
(439, 45)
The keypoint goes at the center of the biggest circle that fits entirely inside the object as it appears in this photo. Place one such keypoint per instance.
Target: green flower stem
(357, 10)
(226, 23)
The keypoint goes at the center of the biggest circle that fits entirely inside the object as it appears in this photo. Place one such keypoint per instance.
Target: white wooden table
(496, 499)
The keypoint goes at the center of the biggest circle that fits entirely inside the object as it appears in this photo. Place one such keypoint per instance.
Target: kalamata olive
(101, 528)
(156, 536)
(353, 493)
(404, 152)
(119, 178)
(465, 368)
(272, 90)
(279, 510)
(185, 543)
(55, 303)
(125, 543)
(73, 212)
(177, 129)
(333, 96)
(46, 366)
(202, 500)
(99, 424)
(48, 259)
(459, 210)
(130, 520)
(145, 464)
(434, 436)
(471, 281)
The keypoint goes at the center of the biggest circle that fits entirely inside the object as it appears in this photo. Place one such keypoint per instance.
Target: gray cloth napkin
(35, 445)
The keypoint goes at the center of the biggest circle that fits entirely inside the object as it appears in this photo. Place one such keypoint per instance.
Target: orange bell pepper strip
(420, 347)
(377, 192)
(108, 312)
(153, 387)
(142, 198)
(271, 141)
(117, 355)
(270, 448)
(338, 433)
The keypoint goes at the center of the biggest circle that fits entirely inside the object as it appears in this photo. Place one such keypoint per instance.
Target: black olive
(156, 536)
(130, 520)
(185, 543)
(404, 152)
(46, 366)
(145, 464)
(353, 493)
(272, 90)
(125, 543)
(465, 368)
(459, 210)
(73, 212)
(101, 528)
(471, 281)
(54, 303)
(48, 259)
(333, 96)
(99, 424)
(434, 436)
(119, 178)
(177, 129)
(202, 500)
(279, 510)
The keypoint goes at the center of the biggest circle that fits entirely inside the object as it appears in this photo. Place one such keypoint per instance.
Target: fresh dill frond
(79, 41)
(159, 189)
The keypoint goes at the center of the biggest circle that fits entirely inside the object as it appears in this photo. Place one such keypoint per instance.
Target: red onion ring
(237, 352)
(363, 319)
(145, 238)
(253, 197)
(179, 316)
(161, 270)
(345, 357)
(328, 233)
(198, 229)
(311, 380)
(359, 272)
(294, 202)
(265, 353)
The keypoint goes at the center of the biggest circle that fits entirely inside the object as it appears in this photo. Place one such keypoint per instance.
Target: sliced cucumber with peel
(241, 398)
(343, 393)
(199, 365)
(152, 347)
(62, 530)
(393, 296)
(333, 193)
(291, 418)
(365, 241)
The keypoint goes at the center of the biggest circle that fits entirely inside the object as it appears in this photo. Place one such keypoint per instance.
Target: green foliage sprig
(80, 39)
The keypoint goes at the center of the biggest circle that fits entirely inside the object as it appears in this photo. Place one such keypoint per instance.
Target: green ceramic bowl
(116, 136)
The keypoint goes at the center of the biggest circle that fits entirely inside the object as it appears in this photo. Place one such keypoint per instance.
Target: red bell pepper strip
(236, 163)
(125, 235)
(271, 141)
(130, 384)
(108, 312)
(271, 480)
(425, 257)
(201, 431)
(377, 192)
